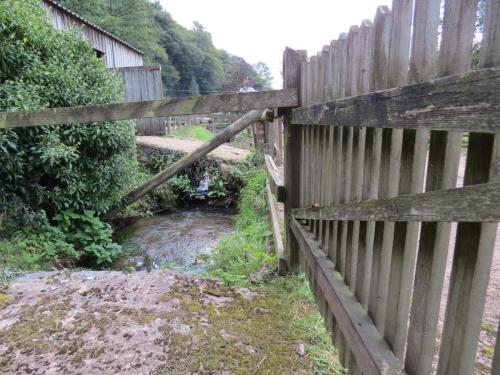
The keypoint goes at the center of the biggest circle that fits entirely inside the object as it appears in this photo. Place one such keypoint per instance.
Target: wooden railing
(372, 159)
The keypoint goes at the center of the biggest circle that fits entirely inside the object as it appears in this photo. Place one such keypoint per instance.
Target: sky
(259, 30)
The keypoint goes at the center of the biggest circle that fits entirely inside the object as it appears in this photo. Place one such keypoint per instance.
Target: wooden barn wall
(144, 83)
(116, 53)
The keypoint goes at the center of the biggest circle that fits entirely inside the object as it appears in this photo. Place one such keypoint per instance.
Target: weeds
(247, 251)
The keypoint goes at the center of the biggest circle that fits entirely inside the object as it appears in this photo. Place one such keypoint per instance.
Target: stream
(178, 239)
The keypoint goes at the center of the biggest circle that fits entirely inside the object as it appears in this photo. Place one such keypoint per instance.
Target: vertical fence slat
(309, 82)
(346, 182)
(342, 64)
(490, 46)
(291, 79)
(475, 242)
(399, 48)
(352, 57)
(423, 52)
(359, 139)
(444, 153)
(334, 67)
(378, 80)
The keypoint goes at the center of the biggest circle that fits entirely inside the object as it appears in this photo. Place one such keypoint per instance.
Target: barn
(141, 82)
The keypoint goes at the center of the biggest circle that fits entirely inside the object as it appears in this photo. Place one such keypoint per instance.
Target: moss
(239, 336)
(4, 299)
(488, 351)
(489, 328)
(145, 319)
(36, 327)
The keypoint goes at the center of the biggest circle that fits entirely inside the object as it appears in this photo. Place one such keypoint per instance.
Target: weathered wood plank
(465, 204)
(444, 153)
(462, 102)
(422, 66)
(475, 242)
(373, 355)
(277, 237)
(378, 80)
(292, 62)
(490, 46)
(399, 47)
(276, 180)
(152, 109)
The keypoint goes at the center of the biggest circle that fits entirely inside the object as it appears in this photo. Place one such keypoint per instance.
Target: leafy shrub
(217, 187)
(54, 168)
(183, 188)
(73, 239)
(90, 236)
(37, 247)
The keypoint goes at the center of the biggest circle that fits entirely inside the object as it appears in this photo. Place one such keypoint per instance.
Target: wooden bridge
(373, 130)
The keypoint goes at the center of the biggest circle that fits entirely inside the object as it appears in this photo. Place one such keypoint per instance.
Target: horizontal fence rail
(392, 170)
(151, 109)
(468, 204)
(463, 103)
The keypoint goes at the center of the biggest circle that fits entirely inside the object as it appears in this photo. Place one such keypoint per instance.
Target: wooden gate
(373, 189)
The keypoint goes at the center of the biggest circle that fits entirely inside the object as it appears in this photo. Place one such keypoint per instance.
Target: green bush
(90, 237)
(183, 188)
(73, 239)
(54, 168)
(217, 186)
(38, 247)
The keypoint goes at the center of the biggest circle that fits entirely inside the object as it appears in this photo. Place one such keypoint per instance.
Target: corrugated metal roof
(90, 24)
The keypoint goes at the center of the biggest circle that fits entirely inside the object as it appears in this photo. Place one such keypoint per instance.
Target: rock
(301, 350)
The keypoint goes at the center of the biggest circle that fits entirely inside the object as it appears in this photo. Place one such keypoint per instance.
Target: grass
(247, 251)
(195, 132)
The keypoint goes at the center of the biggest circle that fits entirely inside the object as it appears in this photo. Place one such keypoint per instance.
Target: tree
(265, 75)
(188, 57)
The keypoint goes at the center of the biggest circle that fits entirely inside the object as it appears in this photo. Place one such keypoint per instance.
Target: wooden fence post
(291, 79)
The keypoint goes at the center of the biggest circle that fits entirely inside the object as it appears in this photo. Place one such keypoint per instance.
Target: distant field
(198, 133)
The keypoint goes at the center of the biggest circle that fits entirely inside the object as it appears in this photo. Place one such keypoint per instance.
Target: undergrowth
(247, 252)
(70, 239)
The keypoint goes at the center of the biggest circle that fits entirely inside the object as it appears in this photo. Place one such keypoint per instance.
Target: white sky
(259, 30)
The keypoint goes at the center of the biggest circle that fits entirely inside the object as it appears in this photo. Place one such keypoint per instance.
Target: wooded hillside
(191, 65)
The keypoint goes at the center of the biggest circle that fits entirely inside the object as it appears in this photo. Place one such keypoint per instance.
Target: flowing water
(179, 239)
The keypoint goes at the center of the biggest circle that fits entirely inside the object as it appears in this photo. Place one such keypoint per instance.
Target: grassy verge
(198, 133)
(245, 258)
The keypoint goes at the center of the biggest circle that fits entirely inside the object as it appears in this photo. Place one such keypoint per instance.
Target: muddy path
(224, 152)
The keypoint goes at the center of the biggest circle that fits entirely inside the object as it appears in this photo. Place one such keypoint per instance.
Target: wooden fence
(371, 184)
(371, 188)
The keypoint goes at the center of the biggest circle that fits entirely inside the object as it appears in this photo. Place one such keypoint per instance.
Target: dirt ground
(225, 152)
(160, 322)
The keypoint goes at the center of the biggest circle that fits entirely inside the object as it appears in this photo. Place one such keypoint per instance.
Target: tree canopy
(191, 65)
